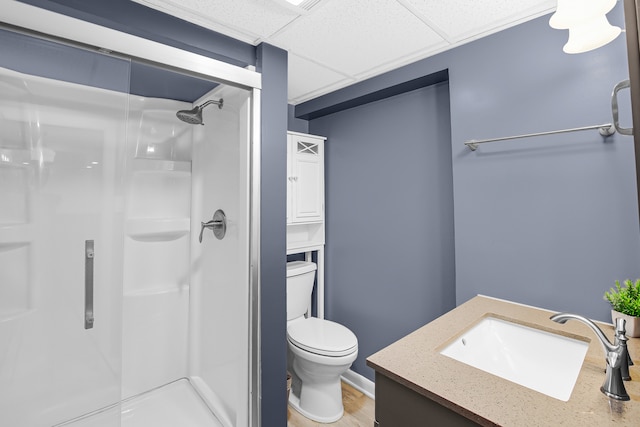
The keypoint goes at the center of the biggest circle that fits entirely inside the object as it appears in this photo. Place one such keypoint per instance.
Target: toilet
(320, 351)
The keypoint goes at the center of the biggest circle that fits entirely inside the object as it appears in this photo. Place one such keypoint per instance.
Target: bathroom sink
(542, 361)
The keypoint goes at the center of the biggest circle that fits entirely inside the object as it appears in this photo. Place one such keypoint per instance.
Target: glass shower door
(63, 118)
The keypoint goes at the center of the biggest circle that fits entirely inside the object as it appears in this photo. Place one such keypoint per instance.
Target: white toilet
(319, 350)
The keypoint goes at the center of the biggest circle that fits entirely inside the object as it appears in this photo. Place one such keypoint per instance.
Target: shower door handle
(88, 284)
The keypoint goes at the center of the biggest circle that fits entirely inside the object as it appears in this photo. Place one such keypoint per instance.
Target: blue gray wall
(133, 18)
(295, 124)
(272, 63)
(548, 221)
(26, 54)
(389, 209)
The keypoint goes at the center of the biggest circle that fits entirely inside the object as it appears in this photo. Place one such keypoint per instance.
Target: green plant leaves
(625, 300)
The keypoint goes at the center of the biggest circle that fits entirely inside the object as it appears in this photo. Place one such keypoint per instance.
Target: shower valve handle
(218, 225)
(209, 224)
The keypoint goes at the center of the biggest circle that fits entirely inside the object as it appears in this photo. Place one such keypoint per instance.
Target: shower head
(194, 116)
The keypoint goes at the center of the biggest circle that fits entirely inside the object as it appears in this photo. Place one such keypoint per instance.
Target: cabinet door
(307, 167)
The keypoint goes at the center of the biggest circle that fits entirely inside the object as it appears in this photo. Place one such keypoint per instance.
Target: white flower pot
(632, 325)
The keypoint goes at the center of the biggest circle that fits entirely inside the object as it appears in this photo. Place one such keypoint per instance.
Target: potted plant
(625, 303)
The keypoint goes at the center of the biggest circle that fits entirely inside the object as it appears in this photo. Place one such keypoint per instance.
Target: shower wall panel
(219, 321)
(156, 262)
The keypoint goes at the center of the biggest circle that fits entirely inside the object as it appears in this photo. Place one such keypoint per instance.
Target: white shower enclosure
(112, 312)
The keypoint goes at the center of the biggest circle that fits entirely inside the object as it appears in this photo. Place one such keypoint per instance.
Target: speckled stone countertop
(415, 362)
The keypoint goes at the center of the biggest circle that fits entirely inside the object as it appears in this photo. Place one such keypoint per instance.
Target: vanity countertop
(415, 362)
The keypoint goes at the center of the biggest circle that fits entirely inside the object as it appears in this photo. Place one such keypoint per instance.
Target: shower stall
(112, 311)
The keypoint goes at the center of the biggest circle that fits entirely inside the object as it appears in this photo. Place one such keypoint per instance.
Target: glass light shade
(573, 12)
(591, 35)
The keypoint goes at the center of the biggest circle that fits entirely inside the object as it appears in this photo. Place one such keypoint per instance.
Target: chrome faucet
(613, 385)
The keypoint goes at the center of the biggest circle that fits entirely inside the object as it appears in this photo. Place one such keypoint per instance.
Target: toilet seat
(322, 337)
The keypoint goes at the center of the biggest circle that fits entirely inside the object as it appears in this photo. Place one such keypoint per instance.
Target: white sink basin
(540, 360)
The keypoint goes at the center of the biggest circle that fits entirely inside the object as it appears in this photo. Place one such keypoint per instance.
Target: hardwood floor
(359, 411)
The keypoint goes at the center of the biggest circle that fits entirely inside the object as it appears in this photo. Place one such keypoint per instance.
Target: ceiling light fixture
(298, 6)
(587, 23)
(590, 35)
(572, 12)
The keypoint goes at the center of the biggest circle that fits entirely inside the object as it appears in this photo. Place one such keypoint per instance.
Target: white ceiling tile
(400, 62)
(247, 20)
(460, 19)
(357, 35)
(307, 77)
(338, 42)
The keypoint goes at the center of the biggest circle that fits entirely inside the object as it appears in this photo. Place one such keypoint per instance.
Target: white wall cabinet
(305, 178)
(305, 202)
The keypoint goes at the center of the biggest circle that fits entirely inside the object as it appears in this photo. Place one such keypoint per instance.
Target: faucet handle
(621, 326)
(621, 338)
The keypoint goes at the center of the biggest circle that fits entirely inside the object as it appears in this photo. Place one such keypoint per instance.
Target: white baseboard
(363, 384)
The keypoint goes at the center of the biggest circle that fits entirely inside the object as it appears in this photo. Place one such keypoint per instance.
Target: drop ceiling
(335, 43)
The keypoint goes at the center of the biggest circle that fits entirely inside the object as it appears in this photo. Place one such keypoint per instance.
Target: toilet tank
(300, 278)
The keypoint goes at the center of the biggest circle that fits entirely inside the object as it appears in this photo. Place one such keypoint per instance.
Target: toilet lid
(322, 337)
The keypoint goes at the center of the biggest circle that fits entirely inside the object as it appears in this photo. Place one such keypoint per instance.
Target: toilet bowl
(320, 351)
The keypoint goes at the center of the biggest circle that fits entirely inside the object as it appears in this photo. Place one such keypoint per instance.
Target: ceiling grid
(335, 43)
